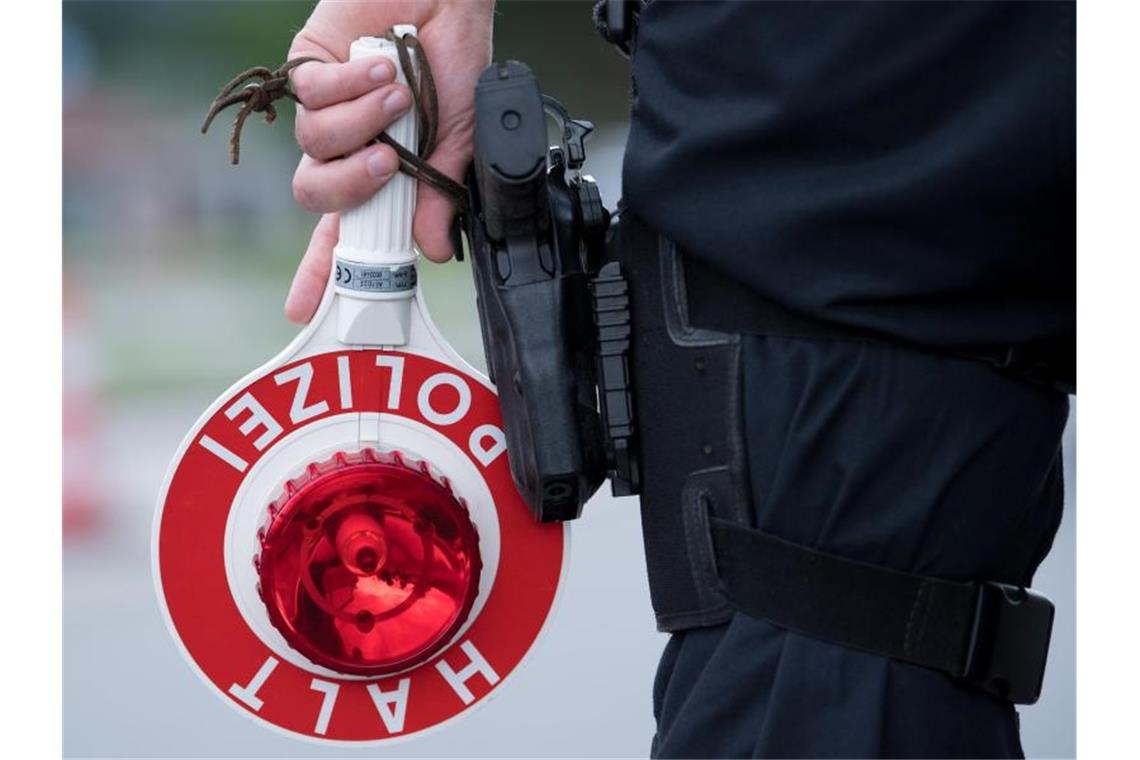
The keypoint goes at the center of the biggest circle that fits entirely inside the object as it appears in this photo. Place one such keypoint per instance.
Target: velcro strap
(990, 635)
(926, 621)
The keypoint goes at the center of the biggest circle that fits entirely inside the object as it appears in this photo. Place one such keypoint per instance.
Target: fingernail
(397, 101)
(381, 73)
(382, 163)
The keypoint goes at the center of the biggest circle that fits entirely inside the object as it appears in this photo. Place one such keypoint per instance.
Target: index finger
(318, 84)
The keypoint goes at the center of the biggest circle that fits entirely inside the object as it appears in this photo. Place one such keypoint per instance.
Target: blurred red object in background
(82, 488)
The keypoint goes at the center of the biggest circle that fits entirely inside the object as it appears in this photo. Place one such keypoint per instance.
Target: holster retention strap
(994, 636)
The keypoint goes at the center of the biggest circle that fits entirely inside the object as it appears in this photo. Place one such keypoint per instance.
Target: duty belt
(705, 560)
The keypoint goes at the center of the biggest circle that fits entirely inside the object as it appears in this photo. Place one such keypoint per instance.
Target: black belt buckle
(1009, 642)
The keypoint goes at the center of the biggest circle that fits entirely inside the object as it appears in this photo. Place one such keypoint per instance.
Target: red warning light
(369, 564)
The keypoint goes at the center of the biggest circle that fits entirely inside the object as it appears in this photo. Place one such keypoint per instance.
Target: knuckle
(300, 40)
(352, 188)
(309, 134)
(303, 193)
(357, 184)
(338, 82)
(301, 130)
(302, 84)
(300, 78)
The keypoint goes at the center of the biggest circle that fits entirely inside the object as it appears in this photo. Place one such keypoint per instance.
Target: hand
(346, 104)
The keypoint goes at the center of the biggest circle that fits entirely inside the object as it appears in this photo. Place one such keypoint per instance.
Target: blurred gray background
(175, 269)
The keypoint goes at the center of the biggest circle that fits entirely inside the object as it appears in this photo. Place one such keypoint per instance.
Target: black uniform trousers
(921, 462)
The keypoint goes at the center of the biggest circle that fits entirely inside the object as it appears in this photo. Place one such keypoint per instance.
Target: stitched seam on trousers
(919, 597)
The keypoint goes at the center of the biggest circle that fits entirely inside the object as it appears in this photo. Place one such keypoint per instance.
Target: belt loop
(617, 21)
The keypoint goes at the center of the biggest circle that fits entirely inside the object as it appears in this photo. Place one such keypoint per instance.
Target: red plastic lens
(368, 564)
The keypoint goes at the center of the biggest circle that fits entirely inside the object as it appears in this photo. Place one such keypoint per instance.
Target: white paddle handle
(375, 258)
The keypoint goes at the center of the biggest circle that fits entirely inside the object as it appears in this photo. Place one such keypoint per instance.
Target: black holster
(688, 396)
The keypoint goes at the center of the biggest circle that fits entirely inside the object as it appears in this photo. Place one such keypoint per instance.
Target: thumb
(313, 272)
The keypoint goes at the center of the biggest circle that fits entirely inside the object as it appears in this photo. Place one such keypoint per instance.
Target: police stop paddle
(339, 549)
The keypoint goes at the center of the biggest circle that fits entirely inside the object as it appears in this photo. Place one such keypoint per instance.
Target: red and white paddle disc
(218, 496)
(339, 549)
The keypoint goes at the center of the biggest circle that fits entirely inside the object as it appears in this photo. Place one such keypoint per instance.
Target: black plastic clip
(1009, 642)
